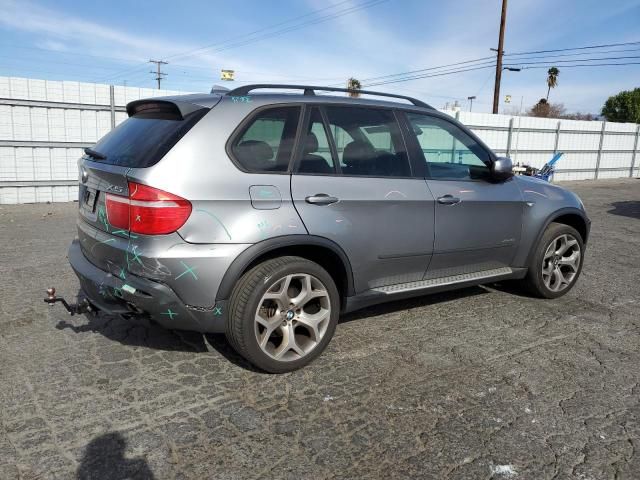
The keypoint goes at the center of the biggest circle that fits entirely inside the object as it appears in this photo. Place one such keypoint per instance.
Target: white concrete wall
(51, 163)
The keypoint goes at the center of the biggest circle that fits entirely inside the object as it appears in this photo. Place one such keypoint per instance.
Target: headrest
(357, 151)
(310, 143)
(255, 150)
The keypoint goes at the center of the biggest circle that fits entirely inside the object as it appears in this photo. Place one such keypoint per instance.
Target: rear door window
(266, 144)
(143, 139)
(368, 142)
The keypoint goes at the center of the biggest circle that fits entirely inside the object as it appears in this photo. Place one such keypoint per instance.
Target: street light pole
(471, 99)
(496, 88)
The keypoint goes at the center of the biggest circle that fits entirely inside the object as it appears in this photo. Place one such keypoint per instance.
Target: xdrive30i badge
(115, 188)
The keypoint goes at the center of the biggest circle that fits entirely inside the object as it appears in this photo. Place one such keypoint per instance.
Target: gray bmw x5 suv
(267, 215)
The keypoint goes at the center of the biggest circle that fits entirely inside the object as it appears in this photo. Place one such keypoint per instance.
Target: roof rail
(310, 90)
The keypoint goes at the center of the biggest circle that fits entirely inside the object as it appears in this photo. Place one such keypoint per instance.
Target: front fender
(544, 203)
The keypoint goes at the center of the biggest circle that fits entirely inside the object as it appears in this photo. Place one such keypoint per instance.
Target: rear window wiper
(95, 154)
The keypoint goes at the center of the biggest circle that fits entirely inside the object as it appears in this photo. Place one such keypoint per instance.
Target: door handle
(448, 200)
(321, 199)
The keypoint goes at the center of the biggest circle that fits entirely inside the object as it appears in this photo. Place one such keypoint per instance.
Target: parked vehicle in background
(267, 215)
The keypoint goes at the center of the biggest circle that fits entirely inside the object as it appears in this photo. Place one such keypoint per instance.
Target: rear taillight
(147, 210)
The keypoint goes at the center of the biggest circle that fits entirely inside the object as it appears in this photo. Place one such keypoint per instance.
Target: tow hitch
(79, 308)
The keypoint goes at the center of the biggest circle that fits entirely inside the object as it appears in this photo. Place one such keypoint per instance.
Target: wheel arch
(574, 220)
(570, 216)
(320, 250)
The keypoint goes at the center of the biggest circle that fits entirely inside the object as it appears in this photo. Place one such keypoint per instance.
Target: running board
(443, 281)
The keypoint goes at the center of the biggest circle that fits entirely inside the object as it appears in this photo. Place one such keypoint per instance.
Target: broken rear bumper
(138, 295)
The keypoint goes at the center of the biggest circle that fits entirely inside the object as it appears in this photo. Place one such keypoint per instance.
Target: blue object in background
(546, 172)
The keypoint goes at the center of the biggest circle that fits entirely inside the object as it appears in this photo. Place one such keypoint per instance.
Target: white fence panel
(45, 124)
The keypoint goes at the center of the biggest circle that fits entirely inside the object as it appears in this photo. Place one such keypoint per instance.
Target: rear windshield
(142, 140)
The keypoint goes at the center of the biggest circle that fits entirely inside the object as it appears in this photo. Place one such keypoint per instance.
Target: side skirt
(390, 293)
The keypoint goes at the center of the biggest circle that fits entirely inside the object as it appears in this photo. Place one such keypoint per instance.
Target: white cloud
(365, 43)
(49, 44)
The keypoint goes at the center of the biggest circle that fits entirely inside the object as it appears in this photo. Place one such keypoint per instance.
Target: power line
(76, 54)
(473, 68)
(315, 12)
(573, 60)
(479, 62)
(331, 16)
(439, 74)
(227, 46)
(577, 54)
(426, 69)
(575, 48)
(591, 65)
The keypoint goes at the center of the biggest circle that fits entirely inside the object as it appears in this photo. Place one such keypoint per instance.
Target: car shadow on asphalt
(104, 458)
(415, 302)
(142, 332)
(629, 209)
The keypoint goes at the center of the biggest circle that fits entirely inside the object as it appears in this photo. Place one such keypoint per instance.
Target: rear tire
(283, 313)
(556, 262)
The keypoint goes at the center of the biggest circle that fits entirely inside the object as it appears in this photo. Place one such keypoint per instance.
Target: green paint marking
(125, 232)
(108, 240)
(102, 216)
(188, 270)
(136, 255)
(170, 313)
(128, 288)
(217, 310)
(217, 220)
(122, 275)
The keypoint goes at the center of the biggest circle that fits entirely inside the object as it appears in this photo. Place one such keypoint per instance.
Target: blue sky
(109, 42)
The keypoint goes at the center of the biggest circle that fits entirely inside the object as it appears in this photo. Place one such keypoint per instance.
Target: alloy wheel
(292, 317)
(561, 262)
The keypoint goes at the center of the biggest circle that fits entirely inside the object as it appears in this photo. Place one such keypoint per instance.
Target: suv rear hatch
(107, 197)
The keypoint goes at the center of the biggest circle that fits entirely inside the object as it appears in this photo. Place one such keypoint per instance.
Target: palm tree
(552, 79)
(354, 84)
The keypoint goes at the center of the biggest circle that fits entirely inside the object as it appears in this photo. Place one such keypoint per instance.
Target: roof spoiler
(219, 90)
(167, 107)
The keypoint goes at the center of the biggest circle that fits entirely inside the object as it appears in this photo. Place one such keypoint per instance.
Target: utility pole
(158, 73)
(496, 89)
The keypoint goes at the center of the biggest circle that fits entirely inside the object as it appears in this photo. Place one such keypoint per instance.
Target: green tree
(354, 84)
(623, 107)
(552, 79)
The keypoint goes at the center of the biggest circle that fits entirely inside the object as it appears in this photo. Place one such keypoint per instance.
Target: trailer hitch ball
(73, 309)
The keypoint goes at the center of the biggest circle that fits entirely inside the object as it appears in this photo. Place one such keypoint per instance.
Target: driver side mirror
(502, 169)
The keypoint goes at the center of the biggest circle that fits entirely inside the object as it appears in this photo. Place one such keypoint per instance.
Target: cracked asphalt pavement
(476, 384)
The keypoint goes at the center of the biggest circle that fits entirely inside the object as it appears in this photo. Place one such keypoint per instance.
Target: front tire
(283, 313)
(556, 263)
